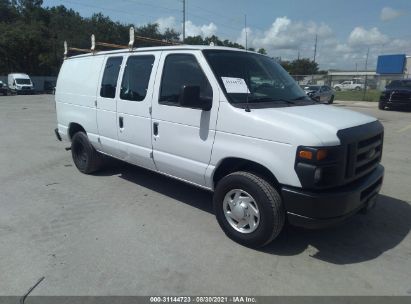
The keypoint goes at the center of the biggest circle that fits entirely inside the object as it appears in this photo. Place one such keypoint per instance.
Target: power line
(214, 13)
(152, 5)
(105, 8)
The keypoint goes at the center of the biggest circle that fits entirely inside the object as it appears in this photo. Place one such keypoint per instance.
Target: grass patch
(370, 95)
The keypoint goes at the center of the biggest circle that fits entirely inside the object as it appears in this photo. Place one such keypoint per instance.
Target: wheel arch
(232, 164)
(74, 128)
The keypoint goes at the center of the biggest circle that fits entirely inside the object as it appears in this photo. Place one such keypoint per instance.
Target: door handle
(155, 129)
(120, 122)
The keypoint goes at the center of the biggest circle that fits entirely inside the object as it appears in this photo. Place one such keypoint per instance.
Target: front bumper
(321, 209)
(23, 91)
(398, 103)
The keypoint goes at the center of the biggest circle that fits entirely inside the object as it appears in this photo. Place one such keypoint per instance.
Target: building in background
(389, 67)
(392, 67)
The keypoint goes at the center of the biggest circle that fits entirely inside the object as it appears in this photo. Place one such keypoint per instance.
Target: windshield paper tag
(235, 85)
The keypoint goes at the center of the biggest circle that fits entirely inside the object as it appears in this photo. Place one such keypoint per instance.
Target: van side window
(109, 82)
(180, 70)
(136, 77)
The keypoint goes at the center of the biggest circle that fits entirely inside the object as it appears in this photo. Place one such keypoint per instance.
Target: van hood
(312, 125)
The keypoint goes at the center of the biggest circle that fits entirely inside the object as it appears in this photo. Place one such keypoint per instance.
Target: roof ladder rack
(130, 45)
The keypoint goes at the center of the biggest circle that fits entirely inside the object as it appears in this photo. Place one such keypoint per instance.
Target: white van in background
(20, 83)
(230, 121)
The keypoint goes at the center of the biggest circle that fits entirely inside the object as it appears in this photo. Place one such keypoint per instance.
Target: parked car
(350, 85)
(268, 152)
(4, 90)
(20, 83)
(396, 95)
(320, 93)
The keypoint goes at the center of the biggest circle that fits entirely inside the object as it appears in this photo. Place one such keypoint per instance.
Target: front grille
(363, 156)
(400, 96)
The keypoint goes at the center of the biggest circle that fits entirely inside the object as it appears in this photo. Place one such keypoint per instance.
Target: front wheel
(358, 88)
(85, 157)
(381, 106)
(337, 89)
(249, 209)
(331, 100)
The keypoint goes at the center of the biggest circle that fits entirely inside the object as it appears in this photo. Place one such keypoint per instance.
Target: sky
(286, 28)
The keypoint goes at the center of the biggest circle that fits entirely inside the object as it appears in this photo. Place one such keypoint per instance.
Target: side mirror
(190, 98)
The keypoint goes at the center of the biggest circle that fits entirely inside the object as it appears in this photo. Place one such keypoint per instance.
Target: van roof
(161, 48)
(21, 75)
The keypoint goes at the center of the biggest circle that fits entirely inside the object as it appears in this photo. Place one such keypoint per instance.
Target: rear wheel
(358, 88)
(337, 88)
(85, 157)
(381, 106)
(249, 209)
(331, 100)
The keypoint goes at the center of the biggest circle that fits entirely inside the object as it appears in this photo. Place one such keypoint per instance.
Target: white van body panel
(184, 143)
(134, 139)
(313, 125)
(76, 90)
(106, 115)
(270, 137)
(191, 143)
(12, 81)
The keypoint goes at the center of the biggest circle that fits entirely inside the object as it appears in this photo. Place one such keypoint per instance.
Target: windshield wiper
(268, 99)
(301, 97)
(304, 98)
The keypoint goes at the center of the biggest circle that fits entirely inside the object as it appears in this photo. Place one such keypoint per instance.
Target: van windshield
(23, 81)
(256, 79)
(400, 84)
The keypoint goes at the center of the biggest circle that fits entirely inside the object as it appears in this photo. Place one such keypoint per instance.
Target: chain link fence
(351, 86)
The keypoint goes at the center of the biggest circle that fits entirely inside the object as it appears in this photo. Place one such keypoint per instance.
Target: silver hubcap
(241, 211)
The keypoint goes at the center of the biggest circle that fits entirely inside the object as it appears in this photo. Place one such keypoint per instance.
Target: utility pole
(366, 76)
(245, 30)
(184, 20)
(315, 46)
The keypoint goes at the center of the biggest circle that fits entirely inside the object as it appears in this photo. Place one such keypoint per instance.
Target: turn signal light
(320, 154)
(305, 154)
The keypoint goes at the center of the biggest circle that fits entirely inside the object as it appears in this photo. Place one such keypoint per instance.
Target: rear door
(106, 105)
(183, 137)
(134, 106)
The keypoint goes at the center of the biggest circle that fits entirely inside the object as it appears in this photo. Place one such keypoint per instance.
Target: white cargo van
(230, 121)
(20, 83)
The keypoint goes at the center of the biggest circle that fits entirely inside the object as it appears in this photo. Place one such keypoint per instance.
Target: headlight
(319, 167)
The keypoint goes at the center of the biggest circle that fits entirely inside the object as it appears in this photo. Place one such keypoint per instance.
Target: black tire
(85, 157)
(337, 89)
(358, 88)
(381, 106)
(269, 203)
(331, 100)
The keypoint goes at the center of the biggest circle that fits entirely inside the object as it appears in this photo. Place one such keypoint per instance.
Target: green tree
(303, 66)
(32, 36)
(262, 51)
